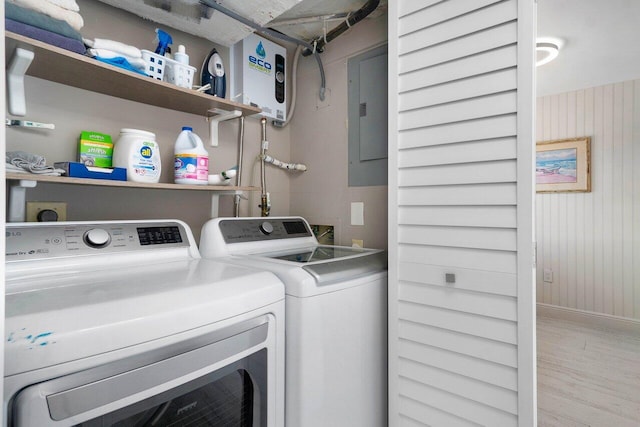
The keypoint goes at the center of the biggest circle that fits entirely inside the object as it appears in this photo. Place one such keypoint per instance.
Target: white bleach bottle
(191, 164)
(139, 153)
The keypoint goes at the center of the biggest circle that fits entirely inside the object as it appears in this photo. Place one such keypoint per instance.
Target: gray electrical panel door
(368, 118)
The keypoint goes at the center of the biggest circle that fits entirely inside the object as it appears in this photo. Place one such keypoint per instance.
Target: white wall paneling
(460, 202)
(590, 240)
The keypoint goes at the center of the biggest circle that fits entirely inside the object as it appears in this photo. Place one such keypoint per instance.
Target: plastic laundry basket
(179, 74)
(154, 64)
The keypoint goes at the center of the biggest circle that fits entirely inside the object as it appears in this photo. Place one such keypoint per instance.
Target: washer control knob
(266, 228)
(97, 238)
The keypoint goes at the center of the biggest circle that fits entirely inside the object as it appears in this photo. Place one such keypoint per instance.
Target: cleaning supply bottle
(191, 164)
(181, 55)
(164, 40)
(139, 153)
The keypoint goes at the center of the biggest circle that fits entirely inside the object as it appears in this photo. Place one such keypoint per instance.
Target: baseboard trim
(598, 320)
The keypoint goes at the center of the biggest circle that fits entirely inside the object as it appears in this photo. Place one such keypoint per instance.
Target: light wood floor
(587, 375)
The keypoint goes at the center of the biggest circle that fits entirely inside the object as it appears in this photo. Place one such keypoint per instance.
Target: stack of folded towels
(57, 22)
(116, 53)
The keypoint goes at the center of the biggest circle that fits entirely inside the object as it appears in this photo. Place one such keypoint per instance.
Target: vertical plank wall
(460, 161)
(591, 240)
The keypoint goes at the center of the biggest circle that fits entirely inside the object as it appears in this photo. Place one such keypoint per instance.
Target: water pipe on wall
(265, 203)
(237, 197)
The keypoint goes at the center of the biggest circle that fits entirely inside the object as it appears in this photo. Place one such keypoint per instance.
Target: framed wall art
(563, 165)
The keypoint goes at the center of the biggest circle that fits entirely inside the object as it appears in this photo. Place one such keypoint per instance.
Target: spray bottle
(164, 40)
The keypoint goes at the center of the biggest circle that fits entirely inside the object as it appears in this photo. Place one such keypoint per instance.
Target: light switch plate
(357, 213)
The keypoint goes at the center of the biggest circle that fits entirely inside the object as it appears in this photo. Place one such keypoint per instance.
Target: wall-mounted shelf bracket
(18, 199)
(16, 70)
(215, 200)
(221, 116)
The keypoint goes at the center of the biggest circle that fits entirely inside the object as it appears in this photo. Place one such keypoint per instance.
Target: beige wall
(591, 241)
(319, 139)
(73, 110)
(316, 137)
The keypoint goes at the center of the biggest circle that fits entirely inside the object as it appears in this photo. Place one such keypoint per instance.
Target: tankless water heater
(258, 75)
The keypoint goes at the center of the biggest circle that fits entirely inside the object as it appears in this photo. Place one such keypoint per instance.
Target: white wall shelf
(69, 68)
(19, 182)
(127, 184)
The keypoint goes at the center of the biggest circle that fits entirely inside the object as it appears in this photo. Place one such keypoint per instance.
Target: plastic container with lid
(138, 152)
(191, 164)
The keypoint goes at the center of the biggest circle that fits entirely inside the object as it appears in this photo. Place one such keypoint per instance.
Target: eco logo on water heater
(260, 51)
(259, 64)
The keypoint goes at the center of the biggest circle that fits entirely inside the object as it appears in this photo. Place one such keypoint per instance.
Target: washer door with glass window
(222, 384)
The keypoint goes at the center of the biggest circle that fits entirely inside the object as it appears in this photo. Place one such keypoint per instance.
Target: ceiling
(193, 18)
(335, 10)
(601, 43)
(601, 39)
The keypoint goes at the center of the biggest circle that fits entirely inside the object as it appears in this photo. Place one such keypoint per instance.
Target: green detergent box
(95, 149)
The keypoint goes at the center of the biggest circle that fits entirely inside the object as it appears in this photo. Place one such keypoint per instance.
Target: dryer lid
(64, 317)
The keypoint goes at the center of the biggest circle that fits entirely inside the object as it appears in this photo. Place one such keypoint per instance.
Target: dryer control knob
(97, 238)
(266, 228)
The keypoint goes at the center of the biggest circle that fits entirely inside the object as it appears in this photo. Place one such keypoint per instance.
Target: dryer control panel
(257, 229)
(33, 241)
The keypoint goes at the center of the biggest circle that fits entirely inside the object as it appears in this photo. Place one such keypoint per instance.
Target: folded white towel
(74, 19)
(66, 4)
(114, 46)
(21, 161)
(106, 53)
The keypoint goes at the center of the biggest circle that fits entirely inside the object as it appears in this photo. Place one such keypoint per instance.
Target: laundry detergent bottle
(191, 164)
(139, 153)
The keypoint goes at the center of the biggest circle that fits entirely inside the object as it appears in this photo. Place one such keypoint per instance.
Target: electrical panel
(258, 75)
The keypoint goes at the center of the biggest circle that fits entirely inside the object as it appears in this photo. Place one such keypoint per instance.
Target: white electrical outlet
(548, 275)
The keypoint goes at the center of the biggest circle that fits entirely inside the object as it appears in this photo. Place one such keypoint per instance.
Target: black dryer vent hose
(351, 20)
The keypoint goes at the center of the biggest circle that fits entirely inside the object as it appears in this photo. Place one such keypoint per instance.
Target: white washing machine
(123, 324)
(336, 317)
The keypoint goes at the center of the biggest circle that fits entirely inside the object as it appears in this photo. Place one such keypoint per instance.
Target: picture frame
(563, 165)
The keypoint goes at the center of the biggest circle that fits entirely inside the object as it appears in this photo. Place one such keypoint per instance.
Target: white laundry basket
(179, 74)
(154, 64)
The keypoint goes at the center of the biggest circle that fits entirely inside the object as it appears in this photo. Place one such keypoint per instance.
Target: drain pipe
(265, 203)
(237, 197)
(352, 19)
(275, 34)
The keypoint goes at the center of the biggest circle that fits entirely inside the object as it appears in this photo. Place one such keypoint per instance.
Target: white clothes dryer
(122, 324)
(336, 317)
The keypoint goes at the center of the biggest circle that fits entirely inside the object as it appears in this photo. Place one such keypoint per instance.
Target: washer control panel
(257, 229)
(52, 240)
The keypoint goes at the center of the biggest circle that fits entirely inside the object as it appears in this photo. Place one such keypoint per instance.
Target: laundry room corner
(319, 135)
(73, 110)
